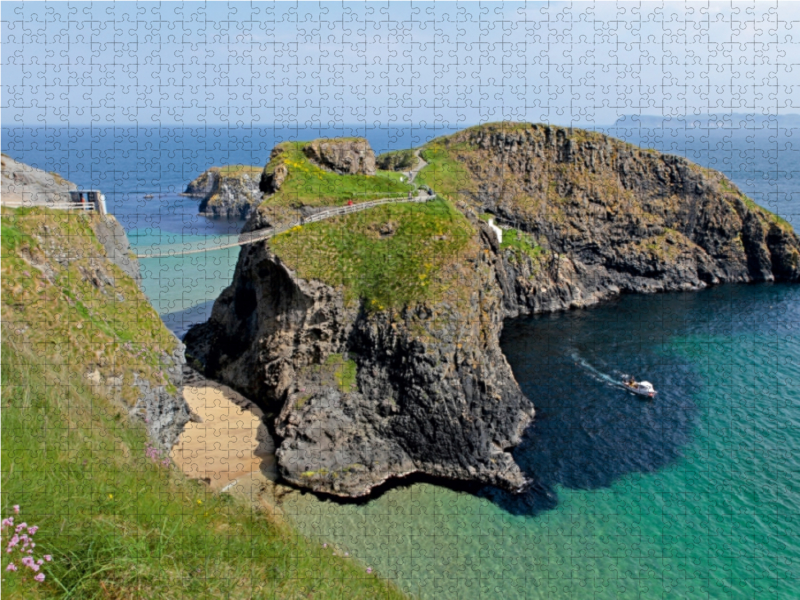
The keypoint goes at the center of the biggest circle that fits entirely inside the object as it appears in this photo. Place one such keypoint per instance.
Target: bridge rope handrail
(259, 235)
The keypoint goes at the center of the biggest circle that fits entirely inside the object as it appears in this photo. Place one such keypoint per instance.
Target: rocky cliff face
(612, 218)
(24, 185)
(344, 156)
(361, 395)
(227, 192)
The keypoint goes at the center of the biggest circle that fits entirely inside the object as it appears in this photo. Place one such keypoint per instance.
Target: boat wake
(594, 373)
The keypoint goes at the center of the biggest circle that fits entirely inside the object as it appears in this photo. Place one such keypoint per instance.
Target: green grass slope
(117, 521)
(389, 256)
(310, 185)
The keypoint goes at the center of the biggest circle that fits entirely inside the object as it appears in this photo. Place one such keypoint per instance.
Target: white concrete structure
(497, 230)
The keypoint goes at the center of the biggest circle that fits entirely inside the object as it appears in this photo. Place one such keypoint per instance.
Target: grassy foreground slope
(118, 522)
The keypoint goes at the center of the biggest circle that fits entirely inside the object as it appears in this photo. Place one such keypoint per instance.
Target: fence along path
(268, 232)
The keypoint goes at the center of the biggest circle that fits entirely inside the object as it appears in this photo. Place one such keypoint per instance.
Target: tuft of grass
(398, 267)
(233, 170)
(344, 372)
(520, 243)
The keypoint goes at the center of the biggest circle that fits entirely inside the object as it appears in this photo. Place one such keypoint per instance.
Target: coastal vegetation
(443, 172)
(308, 184)
(389, 256)
(115, 517)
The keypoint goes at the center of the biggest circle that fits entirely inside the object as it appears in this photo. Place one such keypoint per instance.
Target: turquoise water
(181, 286)
(695, 494)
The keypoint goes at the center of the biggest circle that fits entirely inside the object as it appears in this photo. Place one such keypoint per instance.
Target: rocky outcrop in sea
(227, 192)
(358, 395)
(607, 218)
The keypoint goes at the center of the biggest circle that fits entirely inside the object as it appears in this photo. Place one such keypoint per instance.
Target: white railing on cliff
(264, 234)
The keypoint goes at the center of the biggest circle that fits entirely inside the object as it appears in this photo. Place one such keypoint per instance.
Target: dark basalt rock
(226, 195)
(344, 156)
(432, 390)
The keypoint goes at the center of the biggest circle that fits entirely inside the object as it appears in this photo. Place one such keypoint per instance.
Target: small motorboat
(641, 388)
(148, 196)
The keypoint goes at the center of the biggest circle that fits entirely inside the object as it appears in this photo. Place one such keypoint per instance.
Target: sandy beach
(228, 446)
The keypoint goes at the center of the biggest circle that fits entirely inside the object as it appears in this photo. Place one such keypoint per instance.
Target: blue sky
(398, 62)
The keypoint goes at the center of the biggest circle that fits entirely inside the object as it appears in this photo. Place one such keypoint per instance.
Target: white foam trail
(599, 375)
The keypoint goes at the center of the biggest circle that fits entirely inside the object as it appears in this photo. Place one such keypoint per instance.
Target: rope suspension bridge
(261, 235)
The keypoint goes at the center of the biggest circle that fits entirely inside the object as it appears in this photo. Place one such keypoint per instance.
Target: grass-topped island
(406, 302)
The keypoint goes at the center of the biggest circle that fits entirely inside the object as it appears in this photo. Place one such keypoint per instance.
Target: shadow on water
(588, 433)
(180, 321)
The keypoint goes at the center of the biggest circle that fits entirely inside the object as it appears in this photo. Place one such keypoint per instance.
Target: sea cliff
(372, 339)
(91, 405)
(229, 192)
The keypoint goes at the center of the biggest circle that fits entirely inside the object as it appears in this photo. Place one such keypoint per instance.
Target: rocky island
(229, 192)
(371, 340)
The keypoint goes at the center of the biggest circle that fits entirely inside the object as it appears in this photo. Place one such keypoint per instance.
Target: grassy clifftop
(389, 256)
(116, 519)
(293, 181)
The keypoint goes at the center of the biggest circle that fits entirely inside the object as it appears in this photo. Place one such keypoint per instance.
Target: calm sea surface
(695, 494)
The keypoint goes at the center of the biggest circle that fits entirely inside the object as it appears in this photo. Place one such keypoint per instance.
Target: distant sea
(693, 495)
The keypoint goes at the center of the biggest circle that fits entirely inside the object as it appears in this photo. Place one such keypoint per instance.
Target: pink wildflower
(8, 522)
(32, 530)
(324, 545)
(21, 526)
(369, 570)
(40, 562)
(27, 561)
(13, 541)
(11, 567)
(16, 509)
(48, 558)
(39, 577)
